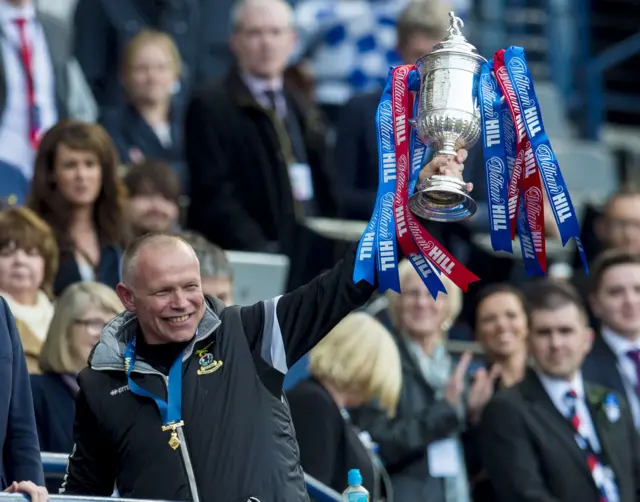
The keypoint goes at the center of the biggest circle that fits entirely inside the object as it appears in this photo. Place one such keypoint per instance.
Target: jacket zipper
(184, 450)
(186, 458)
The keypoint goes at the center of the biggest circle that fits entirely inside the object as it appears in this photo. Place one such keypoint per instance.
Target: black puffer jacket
(237, 442)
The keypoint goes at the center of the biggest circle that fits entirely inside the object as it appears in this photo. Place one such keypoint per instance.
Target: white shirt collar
(557, 389)
(9, 12)
(618, 343)
(258, 86)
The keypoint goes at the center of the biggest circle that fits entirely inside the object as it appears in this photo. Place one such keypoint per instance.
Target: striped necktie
(595, 467)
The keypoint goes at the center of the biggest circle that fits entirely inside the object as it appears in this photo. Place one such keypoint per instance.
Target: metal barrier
(55, 464)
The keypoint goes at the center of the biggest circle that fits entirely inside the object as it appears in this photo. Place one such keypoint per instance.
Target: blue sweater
(20, 459)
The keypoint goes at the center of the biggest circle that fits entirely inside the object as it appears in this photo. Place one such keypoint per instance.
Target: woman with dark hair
(501, 327)
(76, 190)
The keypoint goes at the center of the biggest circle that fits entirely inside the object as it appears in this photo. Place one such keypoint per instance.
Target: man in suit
(255, 150)
(614, 295)
(554, 437)
(20, 465)
(39, 81)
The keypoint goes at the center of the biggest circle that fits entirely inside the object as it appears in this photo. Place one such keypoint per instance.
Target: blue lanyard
(171, 409)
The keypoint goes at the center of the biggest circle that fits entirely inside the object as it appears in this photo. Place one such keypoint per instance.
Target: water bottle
(355, 492)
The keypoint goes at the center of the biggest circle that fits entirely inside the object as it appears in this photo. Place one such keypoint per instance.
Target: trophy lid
(455, 40)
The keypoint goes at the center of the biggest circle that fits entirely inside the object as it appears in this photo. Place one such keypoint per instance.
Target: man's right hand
(456, 384)
(36, 493)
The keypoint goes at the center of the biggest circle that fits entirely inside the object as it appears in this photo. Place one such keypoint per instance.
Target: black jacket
(531, 454)
(233, 445)
(329, 444)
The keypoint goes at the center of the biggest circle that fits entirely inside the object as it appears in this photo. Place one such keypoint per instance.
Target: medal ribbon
(525, 177)
(555, 186)
(171, 409)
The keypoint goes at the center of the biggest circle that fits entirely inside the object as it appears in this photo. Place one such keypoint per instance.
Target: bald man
(182, 396)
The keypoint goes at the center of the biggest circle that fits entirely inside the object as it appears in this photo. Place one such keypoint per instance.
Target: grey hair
(237, 11)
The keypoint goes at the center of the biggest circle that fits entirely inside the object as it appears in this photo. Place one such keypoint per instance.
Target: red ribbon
(526, 175)
(412, 237)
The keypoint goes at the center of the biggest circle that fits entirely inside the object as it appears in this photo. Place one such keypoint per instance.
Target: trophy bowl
(448, 119)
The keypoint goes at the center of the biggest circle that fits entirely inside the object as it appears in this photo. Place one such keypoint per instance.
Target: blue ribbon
(378, 243)
(171, 409)
(495, 163)
(556, 188)
(529, 258)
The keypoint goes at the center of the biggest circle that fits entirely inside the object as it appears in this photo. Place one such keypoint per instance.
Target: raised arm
(287, 327)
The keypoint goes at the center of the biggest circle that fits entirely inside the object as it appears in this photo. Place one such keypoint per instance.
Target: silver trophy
(448, 120)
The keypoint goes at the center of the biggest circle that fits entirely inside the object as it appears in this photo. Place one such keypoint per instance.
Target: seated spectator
(36, 47)
(216, 272)
(148, 125)
(501, 325)
(154, 198)
(102, 29)
(28, 265)
(20, 464)
(258, 198)
(81, 313)
(554, 436)
(77, 191)
(431, 407)
(14, 185)
(357, 362)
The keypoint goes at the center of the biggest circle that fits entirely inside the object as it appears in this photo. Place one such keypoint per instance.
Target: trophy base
(443, 198)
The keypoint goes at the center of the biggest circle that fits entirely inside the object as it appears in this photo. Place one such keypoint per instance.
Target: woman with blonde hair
(434, 399)
(28, 266)
(80, 315)
(148, 125)
(357, 362)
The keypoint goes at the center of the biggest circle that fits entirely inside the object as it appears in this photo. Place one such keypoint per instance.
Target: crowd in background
(234, 125)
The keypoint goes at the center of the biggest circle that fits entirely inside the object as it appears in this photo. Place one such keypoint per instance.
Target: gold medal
(174, 440)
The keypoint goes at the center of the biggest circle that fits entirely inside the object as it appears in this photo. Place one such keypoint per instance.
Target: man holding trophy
(133, 428)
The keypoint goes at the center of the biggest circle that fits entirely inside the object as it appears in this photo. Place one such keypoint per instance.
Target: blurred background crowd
(250, 127)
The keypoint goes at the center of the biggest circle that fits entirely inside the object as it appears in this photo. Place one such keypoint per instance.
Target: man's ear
(126, 296)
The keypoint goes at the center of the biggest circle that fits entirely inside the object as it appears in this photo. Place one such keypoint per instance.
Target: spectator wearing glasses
(76, 189)
(81, 313)
(28, 266)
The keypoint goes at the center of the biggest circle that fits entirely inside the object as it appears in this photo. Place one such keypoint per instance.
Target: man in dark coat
(255, 151)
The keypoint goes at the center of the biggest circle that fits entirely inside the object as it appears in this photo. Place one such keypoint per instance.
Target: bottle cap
(354, 478)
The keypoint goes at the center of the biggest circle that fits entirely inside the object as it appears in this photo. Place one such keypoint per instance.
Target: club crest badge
(208, 364)
(611, 408)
